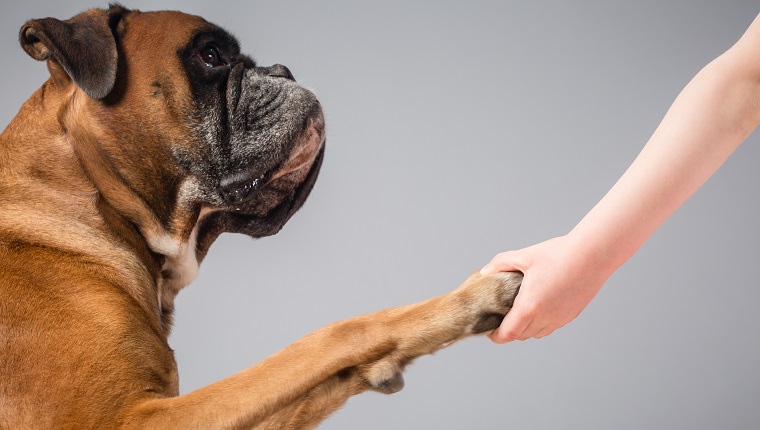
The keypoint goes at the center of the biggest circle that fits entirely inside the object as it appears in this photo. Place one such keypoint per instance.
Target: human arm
(711, 117)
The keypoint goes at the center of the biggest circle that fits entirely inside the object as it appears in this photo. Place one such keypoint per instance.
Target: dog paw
(489, 298)
(476, 307)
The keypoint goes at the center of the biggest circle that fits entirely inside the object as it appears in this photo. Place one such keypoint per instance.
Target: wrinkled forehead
(170, 32)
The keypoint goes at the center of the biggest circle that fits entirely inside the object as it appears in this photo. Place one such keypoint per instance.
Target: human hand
(560, 279)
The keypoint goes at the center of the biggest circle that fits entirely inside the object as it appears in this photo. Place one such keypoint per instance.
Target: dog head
(178, 130)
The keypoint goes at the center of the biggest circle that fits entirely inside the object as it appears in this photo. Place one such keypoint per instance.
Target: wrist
(593, 253)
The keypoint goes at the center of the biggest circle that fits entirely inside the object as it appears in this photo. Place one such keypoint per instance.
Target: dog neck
(172, 241)
(80, 205)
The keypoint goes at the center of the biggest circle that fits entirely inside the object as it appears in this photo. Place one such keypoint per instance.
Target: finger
(511, 328)
(534, 329)
(546, 331)
(503, 262)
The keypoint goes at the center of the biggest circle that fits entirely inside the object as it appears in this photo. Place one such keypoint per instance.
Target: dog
(153, 135)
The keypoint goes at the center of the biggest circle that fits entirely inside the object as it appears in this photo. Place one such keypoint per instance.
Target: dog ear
(85, 46)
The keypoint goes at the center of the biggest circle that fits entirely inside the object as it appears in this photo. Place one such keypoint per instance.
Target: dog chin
(265, 214)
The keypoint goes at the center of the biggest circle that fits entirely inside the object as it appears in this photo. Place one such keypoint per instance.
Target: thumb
(512, 328)
(504, 262)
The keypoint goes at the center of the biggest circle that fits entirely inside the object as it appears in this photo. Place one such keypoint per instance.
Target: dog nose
(279, 71)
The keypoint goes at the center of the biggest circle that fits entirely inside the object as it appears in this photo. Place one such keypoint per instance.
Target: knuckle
(511, 335)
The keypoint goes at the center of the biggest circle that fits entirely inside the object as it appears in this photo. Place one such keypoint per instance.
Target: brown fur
(85, 300)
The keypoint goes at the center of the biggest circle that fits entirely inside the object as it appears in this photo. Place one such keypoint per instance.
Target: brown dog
(153, 136)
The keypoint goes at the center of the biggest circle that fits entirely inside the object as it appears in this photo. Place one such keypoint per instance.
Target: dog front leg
(477, 306)
(249, 399)
(302, 384)
(316, 405)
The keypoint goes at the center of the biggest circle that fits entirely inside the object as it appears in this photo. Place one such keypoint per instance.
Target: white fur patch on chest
(180, 253)
(181, 261)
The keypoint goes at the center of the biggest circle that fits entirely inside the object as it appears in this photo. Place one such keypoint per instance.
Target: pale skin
(711, 117)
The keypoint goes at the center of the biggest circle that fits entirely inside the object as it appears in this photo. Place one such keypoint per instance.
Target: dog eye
(210, 56)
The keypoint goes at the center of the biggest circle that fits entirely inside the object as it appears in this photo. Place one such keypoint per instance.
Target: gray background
(460, 130)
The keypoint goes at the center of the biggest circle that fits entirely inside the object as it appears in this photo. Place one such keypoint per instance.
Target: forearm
(711, 117)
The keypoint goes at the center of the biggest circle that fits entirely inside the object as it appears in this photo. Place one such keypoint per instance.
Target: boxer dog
(153, 136)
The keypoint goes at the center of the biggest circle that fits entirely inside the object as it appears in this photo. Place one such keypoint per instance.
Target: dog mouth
(239, 189)
(261, 217)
